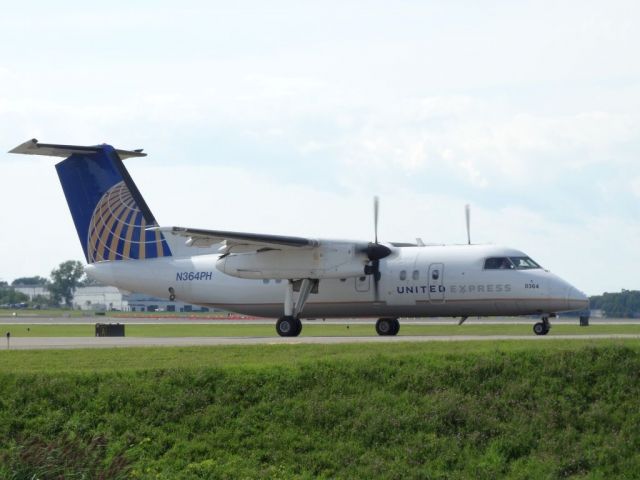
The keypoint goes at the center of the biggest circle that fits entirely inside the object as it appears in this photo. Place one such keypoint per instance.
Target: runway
(46, 343)
(43, 320)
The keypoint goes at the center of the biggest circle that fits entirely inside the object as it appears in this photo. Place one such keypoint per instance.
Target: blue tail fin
(110, 215)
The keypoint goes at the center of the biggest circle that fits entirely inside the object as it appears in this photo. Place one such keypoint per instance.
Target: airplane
(287, 277)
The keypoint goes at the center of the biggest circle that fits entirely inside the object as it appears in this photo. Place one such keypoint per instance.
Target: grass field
(315, 329)
(413, 410)
(266, 356)
(71, 313)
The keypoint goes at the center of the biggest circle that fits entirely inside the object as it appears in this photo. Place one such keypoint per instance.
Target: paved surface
(36, 343)
(35, 320)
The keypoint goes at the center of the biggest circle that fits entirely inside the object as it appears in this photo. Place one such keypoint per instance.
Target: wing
(262, 256)
(206, 238)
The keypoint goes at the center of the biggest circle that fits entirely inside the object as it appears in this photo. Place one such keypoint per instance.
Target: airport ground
(472, 409)
(45, 331)
(487, 399)
(61, 330)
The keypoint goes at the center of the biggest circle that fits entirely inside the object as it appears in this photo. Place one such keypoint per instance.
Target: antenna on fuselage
(467, 214)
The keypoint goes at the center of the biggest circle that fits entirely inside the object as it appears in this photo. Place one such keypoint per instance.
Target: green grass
(464, 410)
(71, 313)
(316, 329)
(32, 312)
(262, 356)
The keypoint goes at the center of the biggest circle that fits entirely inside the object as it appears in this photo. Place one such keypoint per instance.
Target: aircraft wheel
(387, 326)
(288, 326)
(396, 326)
(540, 329)
(298, 327)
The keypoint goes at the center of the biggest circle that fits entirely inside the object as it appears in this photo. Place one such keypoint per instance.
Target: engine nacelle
(336, 261)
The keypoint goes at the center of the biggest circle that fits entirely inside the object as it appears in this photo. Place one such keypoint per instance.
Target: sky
(288, 117)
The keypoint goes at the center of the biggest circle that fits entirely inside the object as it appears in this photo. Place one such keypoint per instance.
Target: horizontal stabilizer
(32, 147)
(108, 210)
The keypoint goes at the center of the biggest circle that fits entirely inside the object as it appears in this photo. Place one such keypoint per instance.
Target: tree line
(625, 304)
(61, 285)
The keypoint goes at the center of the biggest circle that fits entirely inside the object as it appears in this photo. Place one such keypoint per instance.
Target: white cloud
(286, 118)
(635, 186)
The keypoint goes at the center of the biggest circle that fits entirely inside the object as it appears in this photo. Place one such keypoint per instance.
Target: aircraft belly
(370, 309)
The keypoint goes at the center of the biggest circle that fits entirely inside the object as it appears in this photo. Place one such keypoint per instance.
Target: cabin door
(436, 282)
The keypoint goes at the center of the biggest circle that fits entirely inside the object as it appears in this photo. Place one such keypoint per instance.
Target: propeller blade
(375, 252)
(375, 217)
(467, 214)
(376, 280)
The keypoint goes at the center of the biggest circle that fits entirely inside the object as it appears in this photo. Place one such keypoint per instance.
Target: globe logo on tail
(118, 230)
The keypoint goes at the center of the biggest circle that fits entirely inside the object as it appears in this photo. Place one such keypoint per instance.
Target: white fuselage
(415, 281)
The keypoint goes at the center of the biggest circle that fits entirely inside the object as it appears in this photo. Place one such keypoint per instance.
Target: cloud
(288, 119)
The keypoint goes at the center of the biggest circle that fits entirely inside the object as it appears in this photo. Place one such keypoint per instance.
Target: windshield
(510, 263)
(524, 263)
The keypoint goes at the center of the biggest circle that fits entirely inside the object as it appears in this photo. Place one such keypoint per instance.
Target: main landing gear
(542, 327)
(387, 326)
(290, 325)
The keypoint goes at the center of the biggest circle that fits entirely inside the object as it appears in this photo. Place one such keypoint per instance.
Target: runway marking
(47, 343)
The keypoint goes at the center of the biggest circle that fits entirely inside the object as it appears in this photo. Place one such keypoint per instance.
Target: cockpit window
(498, 263)
(524, 263)
(510, 263)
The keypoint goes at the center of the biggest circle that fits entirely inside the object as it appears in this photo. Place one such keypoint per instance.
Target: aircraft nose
(577, 300)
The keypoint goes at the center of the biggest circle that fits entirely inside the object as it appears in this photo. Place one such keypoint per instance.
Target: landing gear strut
(542, 327)
(290, 325)
(387, 326)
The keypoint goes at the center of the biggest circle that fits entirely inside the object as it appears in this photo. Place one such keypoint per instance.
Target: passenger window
(265, 280)
(403, 274)
(416, 275)
(435, 274)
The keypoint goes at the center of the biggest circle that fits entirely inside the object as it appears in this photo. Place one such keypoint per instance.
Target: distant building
(32, 290)
(98, 297)
(101, 298)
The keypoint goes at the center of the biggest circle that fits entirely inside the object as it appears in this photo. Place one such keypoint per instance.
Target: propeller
(375, 251)
(467, 214)
(376, 209)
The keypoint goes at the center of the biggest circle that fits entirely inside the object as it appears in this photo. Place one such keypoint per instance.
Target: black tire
(540, 328)
(384, 326)
(298, 327)
(396, 326)
(286, 326)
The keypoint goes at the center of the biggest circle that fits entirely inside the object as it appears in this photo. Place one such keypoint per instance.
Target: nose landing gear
(542, 327)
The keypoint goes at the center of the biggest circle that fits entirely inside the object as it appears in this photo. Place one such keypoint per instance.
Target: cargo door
(363, 283)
